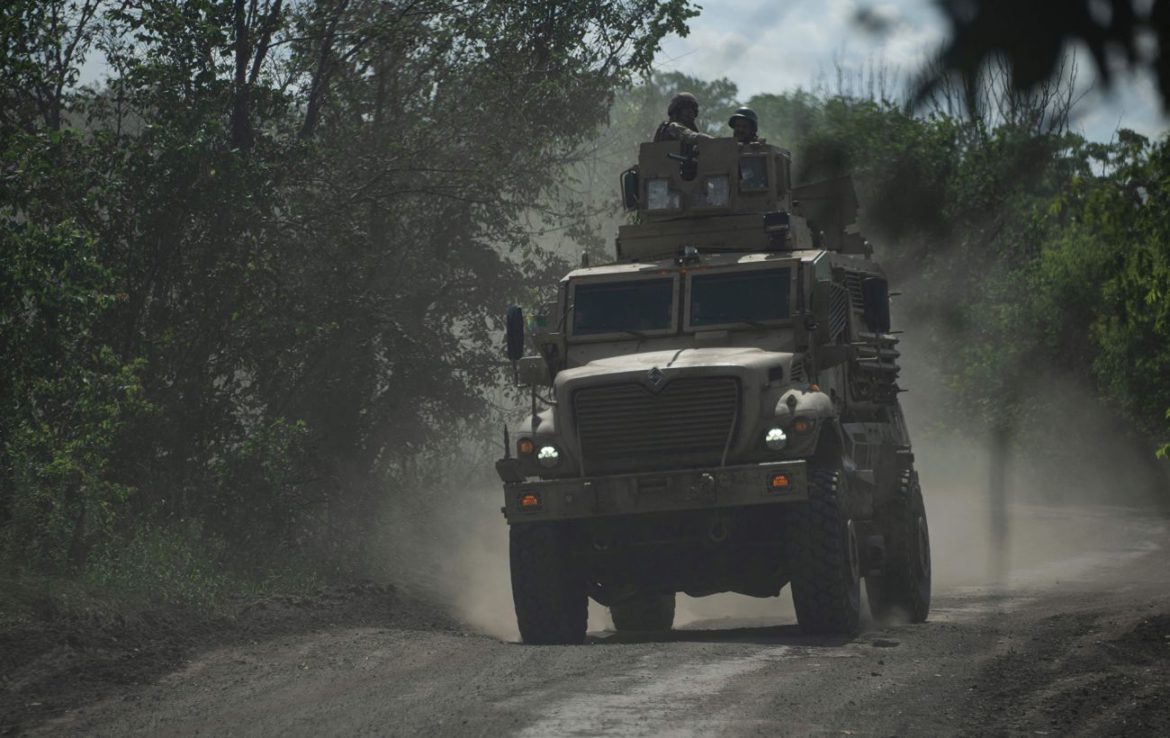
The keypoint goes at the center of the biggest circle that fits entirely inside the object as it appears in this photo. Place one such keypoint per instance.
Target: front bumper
(629, 494)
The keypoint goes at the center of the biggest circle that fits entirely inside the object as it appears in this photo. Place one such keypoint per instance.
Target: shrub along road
(1078, 646)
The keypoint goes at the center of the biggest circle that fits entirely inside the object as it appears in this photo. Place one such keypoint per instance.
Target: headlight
(548, 456)
(775, 439)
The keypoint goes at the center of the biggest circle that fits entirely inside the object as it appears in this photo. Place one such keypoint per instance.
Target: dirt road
(1076, 642)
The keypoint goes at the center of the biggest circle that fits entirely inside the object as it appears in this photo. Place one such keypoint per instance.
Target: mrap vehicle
(715, 411)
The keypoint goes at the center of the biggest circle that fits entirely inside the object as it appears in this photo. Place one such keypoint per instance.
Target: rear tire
(822, 558)
(548, 587)
(903, 589)
(646, 612)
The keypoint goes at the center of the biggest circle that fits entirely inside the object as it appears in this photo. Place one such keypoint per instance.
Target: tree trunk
(320, 83)
(241, 105)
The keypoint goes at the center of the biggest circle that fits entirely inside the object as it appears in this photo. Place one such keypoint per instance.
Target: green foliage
(42, 46)
(1105, 274)
(186, 565)
(1163, 451)
(65, 400)
(264, 271)
(178, 566)
(257, 493)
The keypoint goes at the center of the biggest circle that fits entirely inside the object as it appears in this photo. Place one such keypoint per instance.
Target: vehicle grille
(853, 282)
(623, 427)
(796, 373)
(838, 311)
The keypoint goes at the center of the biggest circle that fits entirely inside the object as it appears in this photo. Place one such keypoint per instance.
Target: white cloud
(765, 46)
(1132, 103)
(768, 49)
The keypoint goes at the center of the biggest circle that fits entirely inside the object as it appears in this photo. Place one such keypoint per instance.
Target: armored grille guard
(688, 422)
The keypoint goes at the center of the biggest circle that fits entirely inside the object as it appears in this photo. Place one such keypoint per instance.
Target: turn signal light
(779, 483)
(525, 446)
(800, 425)
(530, 501)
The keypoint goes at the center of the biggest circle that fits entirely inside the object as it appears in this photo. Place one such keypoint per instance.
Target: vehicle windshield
(626, 306)
(740, 297)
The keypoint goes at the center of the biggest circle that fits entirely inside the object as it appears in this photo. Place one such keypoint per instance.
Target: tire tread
(816, 542)
(896, 590)
(547, 590)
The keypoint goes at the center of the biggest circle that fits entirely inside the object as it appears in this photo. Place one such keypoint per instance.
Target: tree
(66, 396)
(1034, 36)
(1103, 279)
(311, 226)
(42, 45)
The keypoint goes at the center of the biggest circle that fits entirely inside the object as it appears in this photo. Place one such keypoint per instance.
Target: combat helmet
(747, 114)
(679, 100)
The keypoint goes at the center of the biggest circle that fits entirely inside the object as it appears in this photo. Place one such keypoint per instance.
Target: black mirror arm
(514, 332)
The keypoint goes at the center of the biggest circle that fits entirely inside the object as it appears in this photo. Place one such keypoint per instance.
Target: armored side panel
(730, 177)
(718, 195)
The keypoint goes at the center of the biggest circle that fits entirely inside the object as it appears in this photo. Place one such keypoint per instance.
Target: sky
(772, 46)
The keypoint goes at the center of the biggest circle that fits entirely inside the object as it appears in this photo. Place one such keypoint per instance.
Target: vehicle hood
(741, 362)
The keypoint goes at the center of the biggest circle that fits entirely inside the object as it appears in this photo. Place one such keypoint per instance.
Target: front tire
(548, 587)
(645, 612)
(903, 589)
(822, 558)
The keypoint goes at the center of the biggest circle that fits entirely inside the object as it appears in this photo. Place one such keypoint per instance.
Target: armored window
(714, 192)
(745, 297)
(659, 196)
(753, 173)
(623, 307)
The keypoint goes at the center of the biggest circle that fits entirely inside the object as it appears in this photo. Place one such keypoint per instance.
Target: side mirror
(630, 183)
(514, 332)
(875, 293)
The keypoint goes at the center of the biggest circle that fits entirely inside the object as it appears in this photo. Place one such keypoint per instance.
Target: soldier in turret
(683, 110)
(745, 124)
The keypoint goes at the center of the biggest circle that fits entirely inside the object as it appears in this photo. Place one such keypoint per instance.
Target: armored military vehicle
(715, 411)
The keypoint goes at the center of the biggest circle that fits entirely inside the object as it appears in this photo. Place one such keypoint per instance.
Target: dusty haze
(1063, 505)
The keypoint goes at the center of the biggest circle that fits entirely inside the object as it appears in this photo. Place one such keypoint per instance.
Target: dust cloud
(457, 557)
(454, 552)
(1077, 496)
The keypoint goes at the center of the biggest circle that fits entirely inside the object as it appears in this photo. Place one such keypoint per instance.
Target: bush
(65, 401)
